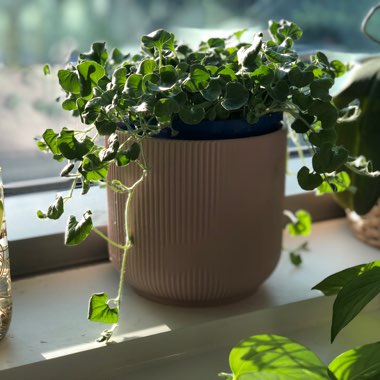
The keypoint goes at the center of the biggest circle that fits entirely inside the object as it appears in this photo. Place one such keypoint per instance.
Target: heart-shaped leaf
(307, 180)
(100, 311)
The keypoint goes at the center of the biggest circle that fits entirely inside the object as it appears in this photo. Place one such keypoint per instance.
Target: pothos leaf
(333, 284)
(76, 231)
(100, 311)
(353, 297)
(272, 353)
(359, 363)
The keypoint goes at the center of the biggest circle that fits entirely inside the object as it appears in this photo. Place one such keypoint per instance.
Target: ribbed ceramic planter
(206, 221)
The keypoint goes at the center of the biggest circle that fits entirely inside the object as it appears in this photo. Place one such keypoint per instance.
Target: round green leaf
(168, 77)
(191, 115)
(212, 91)
(236, 96)
(69, 81)
(134, 85)
(146, 66)
(165, 108)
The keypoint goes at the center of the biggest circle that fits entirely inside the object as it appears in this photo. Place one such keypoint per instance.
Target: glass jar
(5, 275)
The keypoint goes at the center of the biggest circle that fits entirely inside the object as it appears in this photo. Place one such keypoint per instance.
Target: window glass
(35, 32)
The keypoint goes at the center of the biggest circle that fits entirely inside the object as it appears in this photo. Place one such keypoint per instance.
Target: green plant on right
(361, 135)
(273, 357)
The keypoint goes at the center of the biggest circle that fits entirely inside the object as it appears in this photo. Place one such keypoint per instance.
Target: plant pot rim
(222, 129)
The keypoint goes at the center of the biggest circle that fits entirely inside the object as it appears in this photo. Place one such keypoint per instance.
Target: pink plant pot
(206, 221)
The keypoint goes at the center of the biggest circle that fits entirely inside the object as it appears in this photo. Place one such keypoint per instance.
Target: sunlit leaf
(76, 232)
(69, 81)
(360, 363)
(100, 311)
(332, 285)
(301, 226)
(275, 354)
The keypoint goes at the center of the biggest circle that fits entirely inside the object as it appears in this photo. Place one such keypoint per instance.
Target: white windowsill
(49, 319)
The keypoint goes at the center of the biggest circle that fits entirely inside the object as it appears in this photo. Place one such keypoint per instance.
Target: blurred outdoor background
(35, 32)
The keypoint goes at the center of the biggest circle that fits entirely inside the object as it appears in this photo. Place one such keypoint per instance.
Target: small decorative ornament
(5, 275)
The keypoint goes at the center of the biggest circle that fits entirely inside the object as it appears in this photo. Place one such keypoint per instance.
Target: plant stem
(73, 186)
(107, 239)
(107, 334)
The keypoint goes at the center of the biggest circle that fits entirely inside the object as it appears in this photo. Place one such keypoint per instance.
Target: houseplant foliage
(276, 357)
(143, 94)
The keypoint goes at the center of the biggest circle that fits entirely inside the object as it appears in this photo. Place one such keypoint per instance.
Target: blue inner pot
(222, 129)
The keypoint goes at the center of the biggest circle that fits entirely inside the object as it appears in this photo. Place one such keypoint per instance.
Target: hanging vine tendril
(367, 18)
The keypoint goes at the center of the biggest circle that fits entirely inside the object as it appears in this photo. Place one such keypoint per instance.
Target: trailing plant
(270, 356)
(144, 94)
(361, 135)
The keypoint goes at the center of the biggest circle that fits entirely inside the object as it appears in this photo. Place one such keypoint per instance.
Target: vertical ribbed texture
(206, 221)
